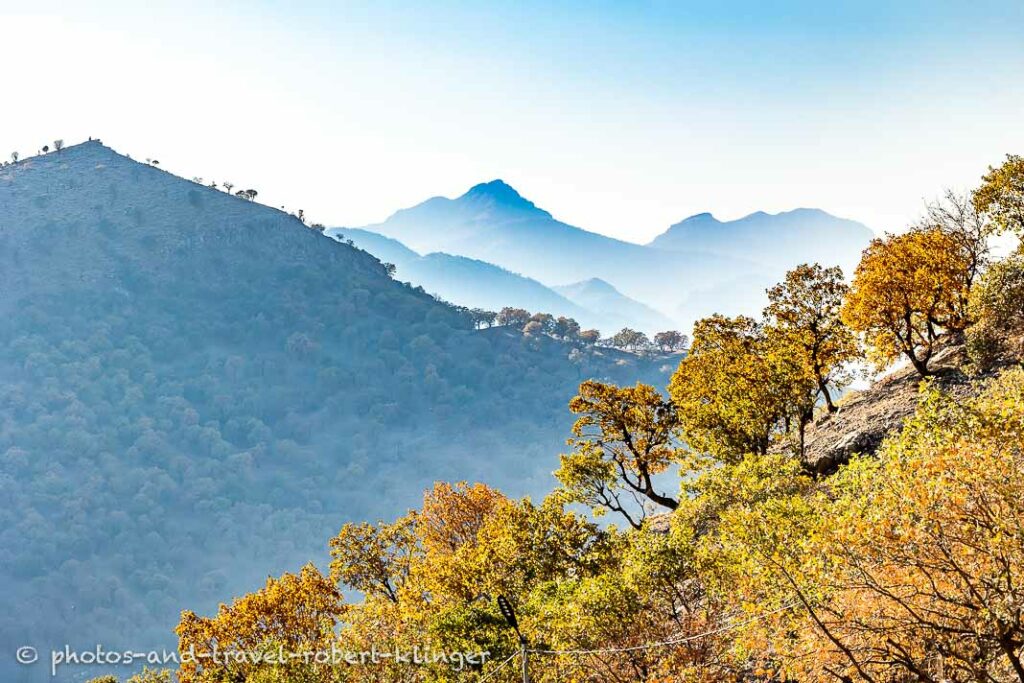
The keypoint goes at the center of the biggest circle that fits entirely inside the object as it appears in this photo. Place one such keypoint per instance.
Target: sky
(622, 118)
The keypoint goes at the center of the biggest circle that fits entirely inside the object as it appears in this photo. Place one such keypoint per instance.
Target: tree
(375, 560)
(546, 322)
(908, 289)
(997, 309)
(905, 567)
(251, 195)
(622, 439)
(671, 341)
(956, 216)
(148, 675)
(804, 311)
(58, 144)
(629, 340)
(533, 328)
(1001, 195)
(390, 269)
(513, 317)
(566, 328)
(46, 148)
(295, 612)
(482, 318)
(733, 393)
(14, 157)
(227, 186)
(590, 337)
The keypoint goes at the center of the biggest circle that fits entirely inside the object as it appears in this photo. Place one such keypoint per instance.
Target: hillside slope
(866, 417)
(186, 371)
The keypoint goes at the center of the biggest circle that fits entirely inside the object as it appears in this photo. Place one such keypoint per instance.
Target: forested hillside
(898, 562)
(197, 389)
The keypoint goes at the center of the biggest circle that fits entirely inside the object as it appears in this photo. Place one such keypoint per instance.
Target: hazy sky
(618, 117)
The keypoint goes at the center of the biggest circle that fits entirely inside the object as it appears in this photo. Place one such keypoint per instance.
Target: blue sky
(619, 117)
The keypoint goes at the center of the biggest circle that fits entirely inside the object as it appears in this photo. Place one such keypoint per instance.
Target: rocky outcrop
(866, 417)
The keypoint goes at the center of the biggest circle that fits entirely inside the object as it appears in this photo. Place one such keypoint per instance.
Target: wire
(665, 643)
(499, 667)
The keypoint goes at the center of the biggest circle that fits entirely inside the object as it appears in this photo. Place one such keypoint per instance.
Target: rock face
(867, 417)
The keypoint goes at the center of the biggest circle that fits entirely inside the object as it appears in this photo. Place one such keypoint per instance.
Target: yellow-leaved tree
(907, 291)
(804, 312)
(623, 439)
(1001, 194)
(292, 615)
(736, 392)
(903, 566)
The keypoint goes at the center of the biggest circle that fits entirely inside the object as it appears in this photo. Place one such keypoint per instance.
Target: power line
(499, 667)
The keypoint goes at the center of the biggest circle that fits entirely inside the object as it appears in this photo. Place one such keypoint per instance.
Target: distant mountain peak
(595, 285)
(700, 218)
(499, 193)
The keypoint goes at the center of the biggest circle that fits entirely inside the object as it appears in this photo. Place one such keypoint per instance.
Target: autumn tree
(374, 559)
(803, 312)
(296, 612)
(590, 337)
(907, 291)
(997, 309)
(734, 393)
(513, 317)
(904, 566)
(670, 340)
(622, 439)
(1001, 195)
(463, 547)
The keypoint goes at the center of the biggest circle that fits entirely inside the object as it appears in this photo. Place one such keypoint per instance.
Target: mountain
(465, 281)
(478, 284)
(699, 266)
(186, 371)
(494, 223)
(778, 240)
(621, 311)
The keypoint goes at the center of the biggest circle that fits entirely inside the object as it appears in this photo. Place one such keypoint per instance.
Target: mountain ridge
(158, 333)
(697, 267)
